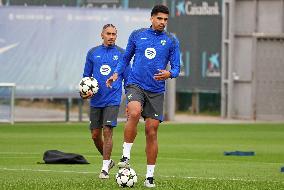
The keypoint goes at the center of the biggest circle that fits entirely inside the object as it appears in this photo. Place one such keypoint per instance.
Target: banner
(198, 26)
(43, 49)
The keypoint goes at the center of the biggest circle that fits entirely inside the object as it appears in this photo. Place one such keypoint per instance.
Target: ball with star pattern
(126, 177)
(88, 84)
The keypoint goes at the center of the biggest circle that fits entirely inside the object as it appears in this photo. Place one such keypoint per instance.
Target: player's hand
(111, 79)
(162, 75)
(87, 96)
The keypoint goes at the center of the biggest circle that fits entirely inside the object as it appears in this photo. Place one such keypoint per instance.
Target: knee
(107, 133)
(134, 113)
(151, 133)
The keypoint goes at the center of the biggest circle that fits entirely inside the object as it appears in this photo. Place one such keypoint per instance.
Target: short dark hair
(159, 9)
(108, 25)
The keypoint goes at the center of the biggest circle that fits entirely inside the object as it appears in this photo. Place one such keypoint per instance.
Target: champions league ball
(88, 84)
(126, 177)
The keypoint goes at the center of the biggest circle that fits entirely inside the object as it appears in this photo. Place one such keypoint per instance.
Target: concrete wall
(252, 48)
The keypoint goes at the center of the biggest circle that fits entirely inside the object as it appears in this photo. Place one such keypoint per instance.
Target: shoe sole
(152, 186)
(103, 177)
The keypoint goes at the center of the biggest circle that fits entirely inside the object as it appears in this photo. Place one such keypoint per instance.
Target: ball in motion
(88, 84)
(126, 177)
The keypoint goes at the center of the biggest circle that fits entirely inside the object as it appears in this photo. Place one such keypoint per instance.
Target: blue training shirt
(100, 64)
(153, 50)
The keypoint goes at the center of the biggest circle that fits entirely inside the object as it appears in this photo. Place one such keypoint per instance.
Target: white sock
(150, 170)
(126, 149)
(105, 165)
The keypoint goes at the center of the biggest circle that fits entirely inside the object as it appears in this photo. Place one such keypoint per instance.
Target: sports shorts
(106, 116)
(152, 103)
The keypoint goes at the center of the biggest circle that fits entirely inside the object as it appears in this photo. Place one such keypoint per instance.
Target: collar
(156, 32)
(108, 47)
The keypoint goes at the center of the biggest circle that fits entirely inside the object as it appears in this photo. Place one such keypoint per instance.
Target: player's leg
(96, 128)
(151, 149)
(130, 132)
(153, 112)
(107, 149)
(134, 113)
(107, 133)
(109, 121)
(97, 139)
(135, 100)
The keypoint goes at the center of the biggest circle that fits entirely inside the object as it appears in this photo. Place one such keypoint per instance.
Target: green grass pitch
(190, 157)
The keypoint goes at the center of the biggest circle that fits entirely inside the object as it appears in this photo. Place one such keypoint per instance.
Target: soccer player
(153, 48)
(104, 105)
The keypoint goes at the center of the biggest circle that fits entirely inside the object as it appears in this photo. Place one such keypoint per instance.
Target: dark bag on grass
(58, 157)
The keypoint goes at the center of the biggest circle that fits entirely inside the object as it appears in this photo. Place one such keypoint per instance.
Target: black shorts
(106, 116)
(152, 103)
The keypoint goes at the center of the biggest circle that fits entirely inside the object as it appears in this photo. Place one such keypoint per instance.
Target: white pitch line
(84, 172)
(39, 170)
(33, 153)
(29, 153)
(163, 176)
(16, 157)
(210, 178)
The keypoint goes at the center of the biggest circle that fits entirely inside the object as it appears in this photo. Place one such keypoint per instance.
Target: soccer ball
(88, 84)
(126, 177)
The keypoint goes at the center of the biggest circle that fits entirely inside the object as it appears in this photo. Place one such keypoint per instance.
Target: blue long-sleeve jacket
(100, 64)
(153, 50)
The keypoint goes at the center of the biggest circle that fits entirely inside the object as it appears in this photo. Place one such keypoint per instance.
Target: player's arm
(125, 76)
(88, 69)
(175, 58)
(124, 62)
(88, 72)
(174, 61)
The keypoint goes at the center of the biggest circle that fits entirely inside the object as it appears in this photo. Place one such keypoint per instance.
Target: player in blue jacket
(153, 48)
(104, 105)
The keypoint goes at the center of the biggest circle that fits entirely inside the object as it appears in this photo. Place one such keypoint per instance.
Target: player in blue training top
(104, 105)
(153, 48)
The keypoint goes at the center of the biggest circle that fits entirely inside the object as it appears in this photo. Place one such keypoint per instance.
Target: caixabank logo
(210, 64)
(191, 8)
